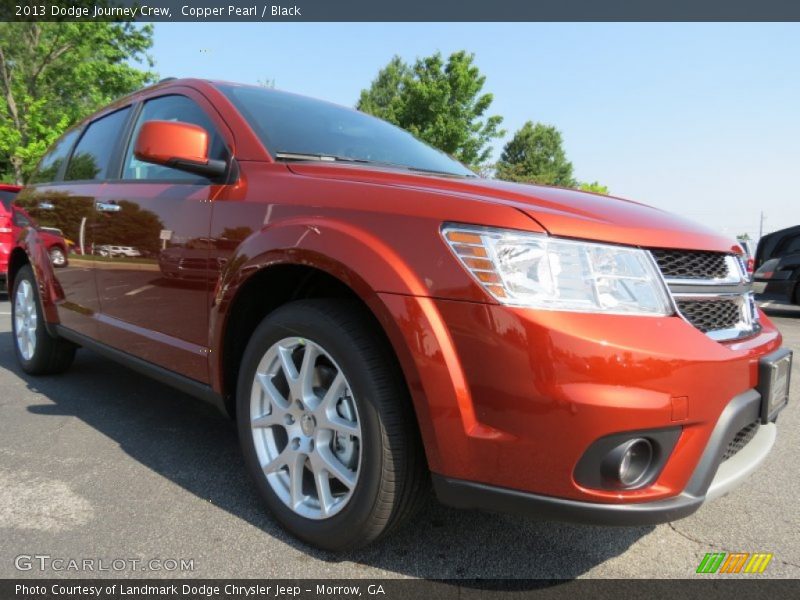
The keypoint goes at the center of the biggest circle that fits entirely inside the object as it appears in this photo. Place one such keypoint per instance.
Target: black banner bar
(407, 10)
(704, 587)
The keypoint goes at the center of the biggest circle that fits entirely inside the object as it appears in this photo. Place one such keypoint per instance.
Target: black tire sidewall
(302, 320)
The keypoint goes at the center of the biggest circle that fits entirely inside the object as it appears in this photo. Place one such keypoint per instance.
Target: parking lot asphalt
(101, 463)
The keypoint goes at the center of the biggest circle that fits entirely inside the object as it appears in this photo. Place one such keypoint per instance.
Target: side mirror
(177, 145)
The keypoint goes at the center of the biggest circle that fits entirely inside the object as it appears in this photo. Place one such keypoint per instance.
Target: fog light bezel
(599, 466)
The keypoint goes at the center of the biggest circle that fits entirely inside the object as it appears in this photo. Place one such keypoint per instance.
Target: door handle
(107, 207)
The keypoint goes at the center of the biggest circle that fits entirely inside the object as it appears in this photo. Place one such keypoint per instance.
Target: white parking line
(144, 288)
(5, 313)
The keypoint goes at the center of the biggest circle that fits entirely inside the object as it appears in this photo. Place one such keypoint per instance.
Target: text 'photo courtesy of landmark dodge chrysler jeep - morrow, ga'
(377, 318)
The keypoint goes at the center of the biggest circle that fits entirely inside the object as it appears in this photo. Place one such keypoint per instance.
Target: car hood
(561, 212)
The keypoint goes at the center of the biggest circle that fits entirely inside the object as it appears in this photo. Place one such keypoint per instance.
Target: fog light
(628, 463)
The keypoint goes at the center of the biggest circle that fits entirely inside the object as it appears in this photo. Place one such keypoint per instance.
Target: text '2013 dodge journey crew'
(375, 316)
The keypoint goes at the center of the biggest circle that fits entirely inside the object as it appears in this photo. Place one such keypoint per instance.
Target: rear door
(73, 205)
(62, 195)
(155, 290)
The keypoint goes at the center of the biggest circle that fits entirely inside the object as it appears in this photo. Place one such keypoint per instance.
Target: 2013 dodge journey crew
(376, 317)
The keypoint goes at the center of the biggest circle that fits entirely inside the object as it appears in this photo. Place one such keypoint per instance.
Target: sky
(699, 119)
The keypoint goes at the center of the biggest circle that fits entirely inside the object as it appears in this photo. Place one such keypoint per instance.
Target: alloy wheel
(305, 428)
(25, 319)
(57, 257)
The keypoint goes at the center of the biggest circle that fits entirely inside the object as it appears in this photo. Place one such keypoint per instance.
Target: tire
(37, 351)
(57, 257)
(383, 462)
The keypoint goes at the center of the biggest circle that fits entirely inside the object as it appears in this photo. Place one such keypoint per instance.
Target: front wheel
(37, 351)
(326, 425)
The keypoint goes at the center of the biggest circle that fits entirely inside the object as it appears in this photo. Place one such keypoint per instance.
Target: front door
(154, 282)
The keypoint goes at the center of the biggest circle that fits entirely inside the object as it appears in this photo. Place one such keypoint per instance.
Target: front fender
(382, 279)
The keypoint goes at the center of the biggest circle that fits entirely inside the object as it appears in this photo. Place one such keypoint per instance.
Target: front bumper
(510, 399)
(712, 479)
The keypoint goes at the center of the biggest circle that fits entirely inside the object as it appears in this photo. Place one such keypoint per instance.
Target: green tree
(536, 155)
(439, 102)
(594, 186)
(54, 74)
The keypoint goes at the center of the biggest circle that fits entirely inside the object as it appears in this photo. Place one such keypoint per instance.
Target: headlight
(538, 271)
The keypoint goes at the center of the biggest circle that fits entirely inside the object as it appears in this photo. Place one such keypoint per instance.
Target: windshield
(298, 128)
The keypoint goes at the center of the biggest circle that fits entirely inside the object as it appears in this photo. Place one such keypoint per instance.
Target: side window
(20, 220)
(6, 198)
(50, 165)
(172, 108)
(92, 155)
(790, 246)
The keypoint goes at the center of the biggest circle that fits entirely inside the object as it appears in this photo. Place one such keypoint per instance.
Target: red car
(378, 317)
(54, 242)
(13, 220)
(7, 195)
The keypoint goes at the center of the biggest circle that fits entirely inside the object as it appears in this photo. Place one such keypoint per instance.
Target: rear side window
(92, 155)
(789, 246)
(6, 198)
(20, 220)
(172, 108)
(50, 165)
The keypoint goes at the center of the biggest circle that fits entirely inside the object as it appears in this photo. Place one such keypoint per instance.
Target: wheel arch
(16, 260)
(341, 258)
(33, 251)
(277, 284)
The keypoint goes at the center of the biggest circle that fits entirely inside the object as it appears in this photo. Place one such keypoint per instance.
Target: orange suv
(376, 317)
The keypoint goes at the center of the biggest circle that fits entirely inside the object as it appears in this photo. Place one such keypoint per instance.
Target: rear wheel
(326, 425)
(37, 351)
(57, 257)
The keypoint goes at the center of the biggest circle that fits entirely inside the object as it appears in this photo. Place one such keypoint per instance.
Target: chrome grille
(682, 264)
(712, 314)
(740, 440)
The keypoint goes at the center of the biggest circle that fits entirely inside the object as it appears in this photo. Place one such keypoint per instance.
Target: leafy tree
(595, 187)
(439, 102)
(387, 95)
(54, 74)
(535, 155)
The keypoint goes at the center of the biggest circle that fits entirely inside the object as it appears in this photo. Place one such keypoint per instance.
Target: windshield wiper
(434, 172)
(365, 161)
(321, 157)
